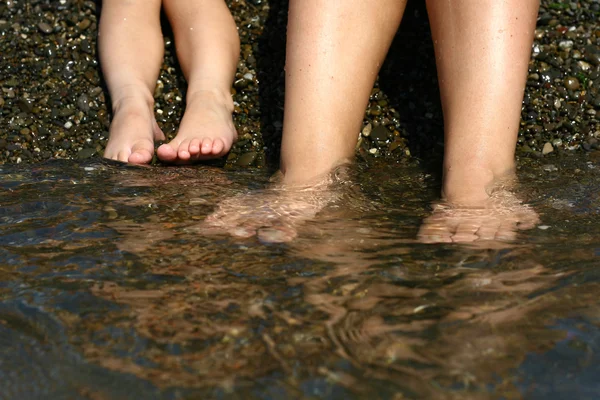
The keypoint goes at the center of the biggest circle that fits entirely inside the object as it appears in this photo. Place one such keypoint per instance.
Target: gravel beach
(53, 103)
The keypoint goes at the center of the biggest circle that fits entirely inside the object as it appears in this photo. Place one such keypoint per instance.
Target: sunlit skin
(131, 52)
(334, 52)
(482, 51)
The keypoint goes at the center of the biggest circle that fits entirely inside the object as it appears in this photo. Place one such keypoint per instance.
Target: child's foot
(206, 130)
(497, 216)
(132, 132)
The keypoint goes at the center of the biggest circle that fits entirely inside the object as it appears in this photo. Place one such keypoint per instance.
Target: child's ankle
(214, 95)
(138, 100)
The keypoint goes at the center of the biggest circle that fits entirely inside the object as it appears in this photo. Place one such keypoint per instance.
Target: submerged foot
(498, 217)
(133, 131)
(206, 131)
(273, 215)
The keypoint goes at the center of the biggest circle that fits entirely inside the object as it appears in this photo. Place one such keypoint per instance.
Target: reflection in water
(106, 272)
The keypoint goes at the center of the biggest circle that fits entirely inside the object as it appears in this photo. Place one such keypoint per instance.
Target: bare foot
(206, 129)
(133, 131)
(498, 217)
(274, 214)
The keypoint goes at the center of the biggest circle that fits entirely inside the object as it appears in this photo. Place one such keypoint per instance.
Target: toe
(465, 232)
(166, 152)
(218, 146)
(488, 231)
(434, 233)
(140, 154)
(140, 157)
(195, 147)
(507, 230)
(183, 152)
(123, 155)
(207, 144)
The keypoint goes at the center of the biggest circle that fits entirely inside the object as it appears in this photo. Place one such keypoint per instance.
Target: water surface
(111, 289)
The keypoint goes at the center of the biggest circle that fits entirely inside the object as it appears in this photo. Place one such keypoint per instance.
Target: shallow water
(109, 289)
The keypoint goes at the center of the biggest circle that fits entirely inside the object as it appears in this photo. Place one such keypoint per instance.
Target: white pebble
(584, 66)
(565, 44)
(248, 76)
(68, 125)
(543, 227)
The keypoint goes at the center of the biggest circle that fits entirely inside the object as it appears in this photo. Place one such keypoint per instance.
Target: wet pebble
(380, 134)
(571, 83)
(246, 159)
(86, 153)
(45, 28)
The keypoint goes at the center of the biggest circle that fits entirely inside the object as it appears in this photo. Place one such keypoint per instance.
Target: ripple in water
(112, 286)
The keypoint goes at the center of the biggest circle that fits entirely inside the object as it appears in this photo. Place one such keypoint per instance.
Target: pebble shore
(53, 103)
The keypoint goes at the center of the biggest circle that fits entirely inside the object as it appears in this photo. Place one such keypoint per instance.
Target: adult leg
(334, 52)
(208, 48)
(482, 52)
(131, 50)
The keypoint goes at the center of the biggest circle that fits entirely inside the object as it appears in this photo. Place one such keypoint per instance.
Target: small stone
(84, 24)
(547, 148)
(366, 132)
(68, 125)
(592, 54)
(565, 44)
(86, 153)
(549, 168)
(571, 83)
(373, 150)
(83, 102)
(246, 159)
(380, 134)
(526, 149)
(45, 27)
(240, 84)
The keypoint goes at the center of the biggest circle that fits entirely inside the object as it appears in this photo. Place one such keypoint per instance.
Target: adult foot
(274, 214)
(499, 217)
(206, 130)
(133, 131)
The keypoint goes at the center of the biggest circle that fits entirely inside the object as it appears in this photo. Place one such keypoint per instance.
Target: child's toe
(218, 146)
(195, 147)
(207, 145)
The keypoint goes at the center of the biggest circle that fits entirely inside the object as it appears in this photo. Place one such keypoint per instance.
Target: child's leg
(208, 49)
(334, 52)
(482, 51)
(131, 50)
